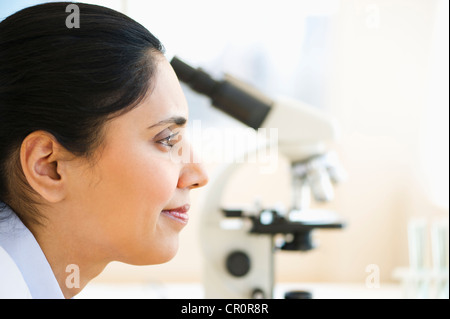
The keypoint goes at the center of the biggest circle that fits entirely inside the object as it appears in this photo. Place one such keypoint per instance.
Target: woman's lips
(179, 214)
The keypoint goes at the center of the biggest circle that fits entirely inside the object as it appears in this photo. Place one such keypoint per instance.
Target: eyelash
(166, 141)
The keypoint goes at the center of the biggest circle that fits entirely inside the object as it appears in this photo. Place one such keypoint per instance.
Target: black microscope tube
(246, 105)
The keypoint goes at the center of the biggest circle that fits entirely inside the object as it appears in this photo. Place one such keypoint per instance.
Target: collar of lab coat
(24, 250)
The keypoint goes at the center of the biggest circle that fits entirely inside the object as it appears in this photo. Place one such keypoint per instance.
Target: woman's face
(133, 202)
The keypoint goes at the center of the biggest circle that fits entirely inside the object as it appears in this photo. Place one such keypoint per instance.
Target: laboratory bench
(158, 290)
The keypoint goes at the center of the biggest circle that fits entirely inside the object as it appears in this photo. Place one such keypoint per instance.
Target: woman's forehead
(166, 100)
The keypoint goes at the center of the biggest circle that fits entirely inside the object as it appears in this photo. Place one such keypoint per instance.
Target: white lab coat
(24, 270)
(12, 284)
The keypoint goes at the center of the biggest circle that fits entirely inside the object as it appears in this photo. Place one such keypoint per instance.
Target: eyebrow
(177, 120)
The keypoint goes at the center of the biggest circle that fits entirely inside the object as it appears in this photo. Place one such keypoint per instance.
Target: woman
(89, 118)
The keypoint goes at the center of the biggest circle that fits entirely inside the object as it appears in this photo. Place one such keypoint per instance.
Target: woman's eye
(170, 140)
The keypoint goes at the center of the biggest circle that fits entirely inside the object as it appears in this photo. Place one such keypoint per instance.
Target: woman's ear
(42, 159)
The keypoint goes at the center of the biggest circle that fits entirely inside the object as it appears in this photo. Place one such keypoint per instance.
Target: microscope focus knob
(238, 263)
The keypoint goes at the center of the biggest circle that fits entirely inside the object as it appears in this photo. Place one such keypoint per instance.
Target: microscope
(239, 255)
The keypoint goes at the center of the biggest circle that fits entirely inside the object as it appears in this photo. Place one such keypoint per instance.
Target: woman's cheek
(163, 179)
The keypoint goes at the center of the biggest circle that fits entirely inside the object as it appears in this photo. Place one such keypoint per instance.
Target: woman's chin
(153, 256)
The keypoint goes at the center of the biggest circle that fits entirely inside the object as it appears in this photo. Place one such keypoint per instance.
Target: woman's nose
(193, 174)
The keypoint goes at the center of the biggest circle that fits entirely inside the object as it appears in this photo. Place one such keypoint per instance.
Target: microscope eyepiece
(197, 79)
(233, 97)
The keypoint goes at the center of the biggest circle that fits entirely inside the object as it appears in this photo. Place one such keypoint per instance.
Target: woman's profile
(89, 117)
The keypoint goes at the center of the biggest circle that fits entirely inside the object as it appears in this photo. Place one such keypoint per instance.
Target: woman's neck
(73, 260)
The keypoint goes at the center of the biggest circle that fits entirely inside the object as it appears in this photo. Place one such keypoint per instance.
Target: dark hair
(66, 81)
